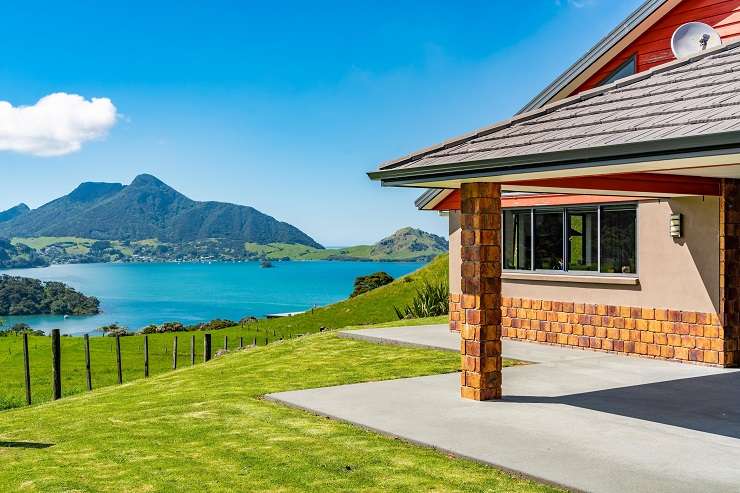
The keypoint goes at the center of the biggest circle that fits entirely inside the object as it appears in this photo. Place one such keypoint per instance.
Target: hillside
(24, 296)
(19, 256)
(407, 244)
(14, 212)
(146, 209)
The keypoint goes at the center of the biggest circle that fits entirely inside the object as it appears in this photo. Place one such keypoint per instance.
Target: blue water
(136, 295)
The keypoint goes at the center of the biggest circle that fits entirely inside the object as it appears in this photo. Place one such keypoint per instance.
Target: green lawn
(207, 429)
(369, 308)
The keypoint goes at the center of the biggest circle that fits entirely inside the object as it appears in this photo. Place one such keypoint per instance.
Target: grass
(207, 429)
(373, 307)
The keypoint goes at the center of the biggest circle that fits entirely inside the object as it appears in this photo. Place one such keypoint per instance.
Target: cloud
(57, 124)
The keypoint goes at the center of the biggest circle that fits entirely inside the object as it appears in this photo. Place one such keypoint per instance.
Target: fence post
(56, 365)
(88, 372)
(174, 353)
(146, 356)
(226, 343)
(118, 360)
(192, 350)
(254, 341)
(241, 342)
(206, 347)
(27, 369)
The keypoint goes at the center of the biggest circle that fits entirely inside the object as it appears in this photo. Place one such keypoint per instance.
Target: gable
(653, 47)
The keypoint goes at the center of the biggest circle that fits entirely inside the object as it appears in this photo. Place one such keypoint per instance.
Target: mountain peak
(148, 180)
(410, 239)
(14, 212)
(90, 191)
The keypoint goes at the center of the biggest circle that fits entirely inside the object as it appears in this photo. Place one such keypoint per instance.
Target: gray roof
(642, 13)
(685, 99)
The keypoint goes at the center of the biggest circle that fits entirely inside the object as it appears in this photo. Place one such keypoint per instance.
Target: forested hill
(148, 209)
(24, 296)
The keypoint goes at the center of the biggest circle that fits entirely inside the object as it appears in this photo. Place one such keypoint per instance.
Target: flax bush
(431, 300)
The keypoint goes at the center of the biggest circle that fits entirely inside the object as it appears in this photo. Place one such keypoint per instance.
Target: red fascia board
(452, 201)
(623, 182)
(633, 182)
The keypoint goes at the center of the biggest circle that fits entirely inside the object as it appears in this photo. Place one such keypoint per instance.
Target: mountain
(149, 209)
(410, 242)
(407, 244)
(14, 212)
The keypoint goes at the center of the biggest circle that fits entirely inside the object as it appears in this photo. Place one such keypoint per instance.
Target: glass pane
(583, 240)
(625, 70)
(548, 240)
(618, 240)
(518, 240)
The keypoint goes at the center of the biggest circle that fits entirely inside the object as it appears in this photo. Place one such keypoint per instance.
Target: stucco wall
(680, 274)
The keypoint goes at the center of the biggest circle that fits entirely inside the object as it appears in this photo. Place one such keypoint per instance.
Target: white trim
(570, 278)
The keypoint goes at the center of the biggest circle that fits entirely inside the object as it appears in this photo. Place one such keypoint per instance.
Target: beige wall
(680, 273)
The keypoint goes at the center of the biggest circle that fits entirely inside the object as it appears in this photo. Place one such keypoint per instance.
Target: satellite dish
(693, 38)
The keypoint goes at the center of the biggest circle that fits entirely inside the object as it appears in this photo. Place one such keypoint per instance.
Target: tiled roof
(689, 97)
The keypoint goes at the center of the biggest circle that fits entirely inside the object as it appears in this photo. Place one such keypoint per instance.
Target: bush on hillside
(431, 300)
(20, 329)
(363, 284)
(114, 330)
(216, 324)
(165, 327)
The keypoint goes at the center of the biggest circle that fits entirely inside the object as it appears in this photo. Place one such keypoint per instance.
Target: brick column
(729, 271)
(480, 346)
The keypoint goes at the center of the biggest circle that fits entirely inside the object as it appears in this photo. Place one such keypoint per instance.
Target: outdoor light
(676, 226)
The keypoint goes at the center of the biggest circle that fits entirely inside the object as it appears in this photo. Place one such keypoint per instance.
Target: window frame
(566, 259)
(632, 60)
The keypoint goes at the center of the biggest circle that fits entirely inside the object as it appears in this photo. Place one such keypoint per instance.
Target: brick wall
(650, 332)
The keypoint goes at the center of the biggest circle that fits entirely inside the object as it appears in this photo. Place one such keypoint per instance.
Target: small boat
(265, 264)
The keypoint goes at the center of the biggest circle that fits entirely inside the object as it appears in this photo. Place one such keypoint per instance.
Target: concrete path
(585, 420)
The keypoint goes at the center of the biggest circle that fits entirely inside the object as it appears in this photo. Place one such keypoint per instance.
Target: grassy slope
(373, 307)
(206, 429)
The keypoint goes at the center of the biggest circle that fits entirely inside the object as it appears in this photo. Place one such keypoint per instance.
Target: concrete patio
(585, 420)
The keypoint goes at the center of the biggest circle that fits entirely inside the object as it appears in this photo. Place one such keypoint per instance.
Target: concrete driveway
(584, 420)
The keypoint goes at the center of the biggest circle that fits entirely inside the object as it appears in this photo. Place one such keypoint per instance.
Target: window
(548, 239)
(580, 239)
(618, 240)
(583, 239)
(625, 70)
(518, 240)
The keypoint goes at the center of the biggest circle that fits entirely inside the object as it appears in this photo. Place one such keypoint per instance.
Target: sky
(283, 106)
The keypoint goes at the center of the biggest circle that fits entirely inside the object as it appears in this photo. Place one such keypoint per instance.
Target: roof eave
(665, 149)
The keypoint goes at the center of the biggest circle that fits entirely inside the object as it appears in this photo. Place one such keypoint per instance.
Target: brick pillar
(480, 346)
(729, 271)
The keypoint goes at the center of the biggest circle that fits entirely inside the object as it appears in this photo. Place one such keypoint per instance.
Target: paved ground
(585, 420)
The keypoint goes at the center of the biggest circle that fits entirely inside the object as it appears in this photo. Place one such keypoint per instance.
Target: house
(606, 214)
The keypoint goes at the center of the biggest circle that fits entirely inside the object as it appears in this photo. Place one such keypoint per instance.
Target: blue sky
(281, 106)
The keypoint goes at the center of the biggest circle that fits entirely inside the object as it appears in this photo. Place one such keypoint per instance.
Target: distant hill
(406, 244)
(147, 209)
(19, 256)
(14, 212)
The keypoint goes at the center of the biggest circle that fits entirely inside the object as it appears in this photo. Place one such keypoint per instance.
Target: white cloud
(57, 124)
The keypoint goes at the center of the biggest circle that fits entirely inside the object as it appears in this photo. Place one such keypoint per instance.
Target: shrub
(217, 324)
(114, 330)
(165, 327)
(363, 284)
(20, 329)
(431, 300)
